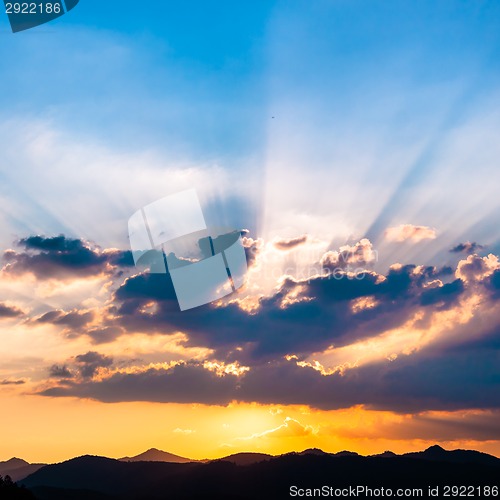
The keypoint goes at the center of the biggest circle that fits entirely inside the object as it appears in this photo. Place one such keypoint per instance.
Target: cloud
(289, 428)
(60, 371)
(54, 244)
(467, 247)
(74, 319)
(91, 362)
(92, 324)
(185, 432)
(493, 283)
(290, 244)
(181, 383)
(456, 377)
(477, 425)
(476, 268)
(9, 311)
(252, 248)
(61, 257)
(105, 334)
(12, 382)
(267, 354)
(321, 306)
(445, 294)
(406, 232)
(359, 255)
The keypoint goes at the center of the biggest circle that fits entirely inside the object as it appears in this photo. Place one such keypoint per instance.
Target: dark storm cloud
(493, 283)
(120, 258)
(9, 312)
(60, 257)
(146, 287)
(54, 244)
(291, 243)
(321, 307)
(445, 294)
(465, 376)
(90, 362)
(467, 247)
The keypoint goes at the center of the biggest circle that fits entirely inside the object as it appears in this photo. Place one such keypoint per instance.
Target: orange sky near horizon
(48, 430)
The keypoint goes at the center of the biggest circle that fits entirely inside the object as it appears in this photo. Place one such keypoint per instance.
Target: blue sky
(372, 105)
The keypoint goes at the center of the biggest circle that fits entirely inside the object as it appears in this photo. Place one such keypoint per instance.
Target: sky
(354, 144)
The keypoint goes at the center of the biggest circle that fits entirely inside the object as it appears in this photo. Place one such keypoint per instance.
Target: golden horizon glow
(48, 430)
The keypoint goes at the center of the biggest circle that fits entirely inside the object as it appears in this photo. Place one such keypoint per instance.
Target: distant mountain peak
(17, 468)
(245, 458)
(386, 454)
(14, 461)
(346, 453)
(437, 453)
(156, 455)
(313, 451)
(436, 448)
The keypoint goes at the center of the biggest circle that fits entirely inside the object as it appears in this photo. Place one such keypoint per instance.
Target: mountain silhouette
(18, 469)
(346, 453)
(155, 455)
(246, 458)
(385, 454)
(95, 478)
(13, 463)
(313, 451)
(436, 453)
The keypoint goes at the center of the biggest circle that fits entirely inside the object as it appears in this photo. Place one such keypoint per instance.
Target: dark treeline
(10, 490)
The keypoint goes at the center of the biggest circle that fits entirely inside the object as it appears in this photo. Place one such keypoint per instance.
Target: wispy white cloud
(289, 428)
(185, 432)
